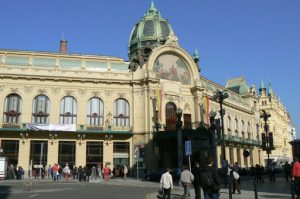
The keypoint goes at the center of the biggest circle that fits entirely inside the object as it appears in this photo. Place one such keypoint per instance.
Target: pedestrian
(66, 172)
(166, 183)
(80, 173)
(197, 174)
(235, 178)
(106, 172)
(186, 179)
(287, 171)
(272, 172)
(210, 181)
(296, 177)
(125, 170)
(55, 172)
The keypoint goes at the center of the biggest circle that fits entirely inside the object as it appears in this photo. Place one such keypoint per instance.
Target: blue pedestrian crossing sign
(188, 147)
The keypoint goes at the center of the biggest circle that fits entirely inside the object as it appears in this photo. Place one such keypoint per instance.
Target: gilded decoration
(173, 68)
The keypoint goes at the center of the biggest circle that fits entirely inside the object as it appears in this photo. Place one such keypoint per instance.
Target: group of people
(84, 173)
(15, 172)
(206, 178)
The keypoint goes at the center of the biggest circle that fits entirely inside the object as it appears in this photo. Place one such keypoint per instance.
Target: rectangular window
(187, 121)
(11, 151)
(38, 152)
(121, 153)
(94, 153)
(67, 153)
(231, 156)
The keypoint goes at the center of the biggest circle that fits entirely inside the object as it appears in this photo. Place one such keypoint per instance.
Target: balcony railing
(235, 139)
(79, 127)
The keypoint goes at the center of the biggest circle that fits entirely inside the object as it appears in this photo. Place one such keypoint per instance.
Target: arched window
(243, 126)
(236, 125)
(12, 109)
(68, 110)
(95, 112)
(171, 118)
(40, 109)
(249, 130)
(229, 123)
(121, 113)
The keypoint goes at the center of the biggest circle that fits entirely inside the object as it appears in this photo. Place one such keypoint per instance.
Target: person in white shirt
(166, 182)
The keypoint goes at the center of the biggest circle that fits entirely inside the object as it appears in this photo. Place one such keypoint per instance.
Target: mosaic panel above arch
(172, 67)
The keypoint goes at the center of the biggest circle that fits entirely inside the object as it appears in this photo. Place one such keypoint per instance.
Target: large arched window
(171, 118)
(68, 110)
(95, 112)
(249, 130)
(40, 109)
(12, 109)
(121, 113)
(236, 125)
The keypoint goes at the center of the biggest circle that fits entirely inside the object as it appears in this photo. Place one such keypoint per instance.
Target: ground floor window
(38, 153)
(121, 153)
(67, 153)
(94, 153)
(11, 151)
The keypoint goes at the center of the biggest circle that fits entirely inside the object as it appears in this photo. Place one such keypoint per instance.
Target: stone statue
(141, 56)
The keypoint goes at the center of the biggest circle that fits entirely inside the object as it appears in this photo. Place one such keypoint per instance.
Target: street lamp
(212, 116)
(219, 97)
(179, 136)
(267, 138)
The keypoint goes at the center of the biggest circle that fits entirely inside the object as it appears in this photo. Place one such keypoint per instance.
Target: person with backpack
(234, 173)
(186, 179)
(209, 181)
(197, 175)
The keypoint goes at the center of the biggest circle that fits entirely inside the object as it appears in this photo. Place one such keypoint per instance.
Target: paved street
(129, 189)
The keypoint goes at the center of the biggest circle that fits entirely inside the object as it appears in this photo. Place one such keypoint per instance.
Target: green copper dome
(151, 31)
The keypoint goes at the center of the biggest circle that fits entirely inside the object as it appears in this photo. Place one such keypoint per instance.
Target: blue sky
(259, 39)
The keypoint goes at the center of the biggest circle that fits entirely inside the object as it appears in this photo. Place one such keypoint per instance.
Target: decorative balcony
(240, 140)
(13, 127)
(103, 129)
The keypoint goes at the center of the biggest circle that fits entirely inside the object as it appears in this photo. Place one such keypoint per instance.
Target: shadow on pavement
(4, 191)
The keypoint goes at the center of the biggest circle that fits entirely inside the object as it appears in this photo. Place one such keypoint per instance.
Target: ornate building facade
(90, 109)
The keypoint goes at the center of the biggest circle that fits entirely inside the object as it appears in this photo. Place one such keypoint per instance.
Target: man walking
(186, 179)
(210, 182)
(166, 183)
(197, 172)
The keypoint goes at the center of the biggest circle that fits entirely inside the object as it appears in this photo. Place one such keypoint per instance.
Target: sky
(257, 39)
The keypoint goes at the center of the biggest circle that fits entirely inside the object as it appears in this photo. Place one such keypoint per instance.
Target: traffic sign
(188, 147)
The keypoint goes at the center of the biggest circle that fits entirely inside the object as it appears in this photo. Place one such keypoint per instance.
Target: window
(187, 121)
(148, 28)
(95, 112)
(171, 118)
(38, 152)
(40, 110)
(229, 123)
(236, 125)
(257, 131)
(66, 153)
(243, 126)
(121, 113)
(121, 153)
(11, 151)
(94, 153)
(68, 110)
(12, 109)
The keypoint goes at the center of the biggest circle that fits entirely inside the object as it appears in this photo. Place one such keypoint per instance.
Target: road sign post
(188, 151)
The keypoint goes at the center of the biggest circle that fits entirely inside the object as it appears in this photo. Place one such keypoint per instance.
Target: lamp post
(267, 142)
(179, 136)
(212, 116)
(219, 97)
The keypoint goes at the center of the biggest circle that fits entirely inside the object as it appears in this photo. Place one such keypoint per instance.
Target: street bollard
(230, 190)
(292, 190)
(255, 190)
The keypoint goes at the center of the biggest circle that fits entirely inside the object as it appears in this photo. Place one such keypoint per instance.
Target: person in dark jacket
(197, 172)
(211, 191)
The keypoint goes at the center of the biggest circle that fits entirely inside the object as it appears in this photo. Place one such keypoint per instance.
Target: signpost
(188, 151)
